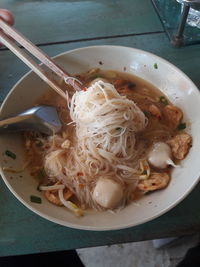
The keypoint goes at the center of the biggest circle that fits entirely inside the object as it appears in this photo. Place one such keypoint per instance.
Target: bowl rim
(94, 228)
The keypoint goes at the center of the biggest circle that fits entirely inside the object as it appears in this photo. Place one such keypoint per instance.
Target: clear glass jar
(193, 18)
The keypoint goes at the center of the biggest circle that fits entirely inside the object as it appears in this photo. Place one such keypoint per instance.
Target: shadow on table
(64, 258)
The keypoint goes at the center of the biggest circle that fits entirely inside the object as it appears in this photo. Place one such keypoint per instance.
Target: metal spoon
(40, 118)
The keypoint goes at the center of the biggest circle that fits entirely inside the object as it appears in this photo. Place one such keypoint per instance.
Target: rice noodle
(70, 205)
(51, 187)
(104, 142)
(10, 169)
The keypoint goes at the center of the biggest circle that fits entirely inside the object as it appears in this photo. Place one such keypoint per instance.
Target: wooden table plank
(23, 232)
(53, 21)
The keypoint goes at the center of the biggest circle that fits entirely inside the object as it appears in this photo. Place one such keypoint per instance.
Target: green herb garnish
(181, 126)
(35, 199)
(155, 66)
(10, 154)
(163, 100)
(146, 113)
(40, 174)
(118, 129)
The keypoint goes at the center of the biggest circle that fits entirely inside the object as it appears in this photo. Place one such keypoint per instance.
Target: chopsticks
(43, 58)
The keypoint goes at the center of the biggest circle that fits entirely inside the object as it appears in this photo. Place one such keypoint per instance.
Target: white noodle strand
(103, 142)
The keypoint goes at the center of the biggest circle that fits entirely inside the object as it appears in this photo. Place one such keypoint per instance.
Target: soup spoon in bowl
(41, 118)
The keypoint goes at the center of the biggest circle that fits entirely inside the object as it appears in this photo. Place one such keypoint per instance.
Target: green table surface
(58, 26)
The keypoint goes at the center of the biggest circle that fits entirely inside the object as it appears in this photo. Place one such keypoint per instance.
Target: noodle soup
(119, 140)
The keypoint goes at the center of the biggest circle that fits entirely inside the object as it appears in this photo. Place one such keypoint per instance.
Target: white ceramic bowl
(170, 80)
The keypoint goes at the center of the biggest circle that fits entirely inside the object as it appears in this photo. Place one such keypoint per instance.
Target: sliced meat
(173, 115)
(155, 111)
(154, 182)
(52, 196)
(180, 145)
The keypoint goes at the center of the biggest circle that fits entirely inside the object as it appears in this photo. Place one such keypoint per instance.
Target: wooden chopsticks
(35, 51)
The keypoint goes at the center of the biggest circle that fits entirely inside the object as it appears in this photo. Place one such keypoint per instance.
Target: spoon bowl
(39, 118)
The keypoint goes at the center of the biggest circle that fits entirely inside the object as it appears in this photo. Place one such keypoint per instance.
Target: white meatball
(107, 193)
(160, 156)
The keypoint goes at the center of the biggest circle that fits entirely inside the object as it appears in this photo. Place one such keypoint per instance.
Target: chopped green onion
(41, 174)
(155, 66)
(146, 113)
(163, 100)
(10, 154)
(181, 126)
(35, 199)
